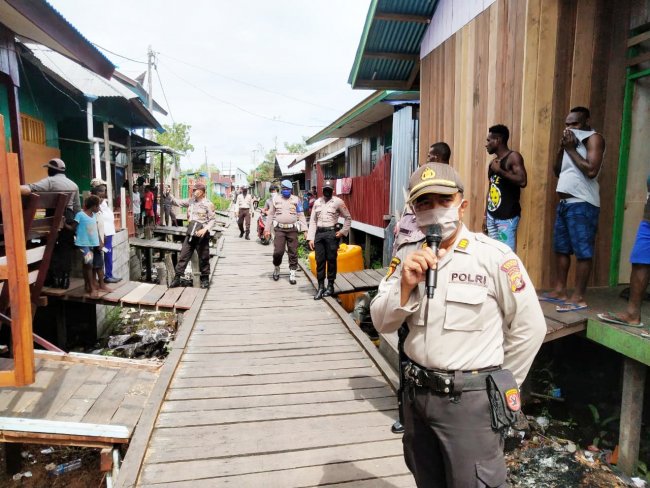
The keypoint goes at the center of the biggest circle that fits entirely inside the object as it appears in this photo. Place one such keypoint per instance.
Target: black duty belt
(325, 229)
(447, 382)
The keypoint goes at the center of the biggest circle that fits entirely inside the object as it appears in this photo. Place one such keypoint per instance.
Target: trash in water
(49, 450)
(56, 470)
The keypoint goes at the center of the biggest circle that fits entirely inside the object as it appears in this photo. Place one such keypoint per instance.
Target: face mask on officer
(286, 192)
(244, 191)
(447, 217)
(327, 193)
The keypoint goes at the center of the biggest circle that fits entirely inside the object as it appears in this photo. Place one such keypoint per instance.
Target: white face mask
(447, 217)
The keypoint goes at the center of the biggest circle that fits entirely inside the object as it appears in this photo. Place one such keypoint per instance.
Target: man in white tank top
(577, 165)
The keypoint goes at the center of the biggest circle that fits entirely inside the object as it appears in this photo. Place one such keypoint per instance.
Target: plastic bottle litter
(49, 450)
(56, 470)
(18, 476)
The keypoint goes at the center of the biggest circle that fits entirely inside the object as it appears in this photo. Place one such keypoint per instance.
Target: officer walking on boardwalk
(324, 238)
(471, 342)
(244, 203)
(201, 220)
(286, 210)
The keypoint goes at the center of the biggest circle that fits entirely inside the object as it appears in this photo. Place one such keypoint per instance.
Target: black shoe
(330, 289)
(205, 282)
(65, 281)
(397, 428)
(56, 282)
(320, 292)
(276, 273)
(247, 237)
(176, 282)
(241, 234)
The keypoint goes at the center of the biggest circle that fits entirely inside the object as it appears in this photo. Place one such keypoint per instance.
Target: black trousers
(244, 218)
(285, 238)
(62, 254)
(326, 246)
(202, 246)
(450, 443)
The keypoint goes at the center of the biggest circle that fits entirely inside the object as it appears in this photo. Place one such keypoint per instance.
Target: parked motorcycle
(260, 229)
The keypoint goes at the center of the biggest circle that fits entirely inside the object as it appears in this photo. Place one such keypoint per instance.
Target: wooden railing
(14, 273)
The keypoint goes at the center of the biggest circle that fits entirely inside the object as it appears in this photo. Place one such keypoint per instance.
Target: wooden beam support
(631, 415)
(391, 55)
(397, 17)
(633, 41)
(382, 84)
(641, 58)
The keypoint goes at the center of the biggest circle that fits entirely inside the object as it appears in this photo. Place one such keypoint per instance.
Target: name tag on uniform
(468, 278)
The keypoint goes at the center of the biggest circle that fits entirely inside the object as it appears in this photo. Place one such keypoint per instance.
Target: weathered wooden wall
(525, 64)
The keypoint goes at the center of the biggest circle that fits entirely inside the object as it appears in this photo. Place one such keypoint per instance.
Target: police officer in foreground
(57, 181)
(469, 347)
(324, 238)
(201, 220)
(285, 212)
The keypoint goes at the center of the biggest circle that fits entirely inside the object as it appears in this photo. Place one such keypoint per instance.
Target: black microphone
(434, 237)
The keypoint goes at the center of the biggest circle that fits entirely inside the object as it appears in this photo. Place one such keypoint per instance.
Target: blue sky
(296, 54)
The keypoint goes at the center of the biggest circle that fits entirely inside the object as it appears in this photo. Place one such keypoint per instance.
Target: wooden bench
(356, 281)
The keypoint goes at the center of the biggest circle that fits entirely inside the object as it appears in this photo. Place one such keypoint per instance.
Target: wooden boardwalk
(272, 389)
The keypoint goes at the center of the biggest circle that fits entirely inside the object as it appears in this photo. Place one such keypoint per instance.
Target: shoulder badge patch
(394, 263)
(463, 244)
(511, 268)
(512, 400)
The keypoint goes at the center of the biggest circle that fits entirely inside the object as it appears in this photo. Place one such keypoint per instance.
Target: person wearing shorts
(577, 166)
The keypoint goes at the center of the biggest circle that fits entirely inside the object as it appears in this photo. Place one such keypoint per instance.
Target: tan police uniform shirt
(59, 182)
(407, 230)
(245, 201)
(485, 311)
(326, 214)
(286, 211)
(201, 211)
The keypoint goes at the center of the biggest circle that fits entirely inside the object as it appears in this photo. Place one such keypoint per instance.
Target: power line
(249, 84)
(155, 67)
(118, 55)
(272, 119)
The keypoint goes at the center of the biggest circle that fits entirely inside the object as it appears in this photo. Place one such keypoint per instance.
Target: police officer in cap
(201, 220)
(469, 347)
(57, 181)
(324, 238)
(285, 212)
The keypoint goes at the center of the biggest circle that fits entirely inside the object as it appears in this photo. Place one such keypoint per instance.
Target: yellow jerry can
(349, 258)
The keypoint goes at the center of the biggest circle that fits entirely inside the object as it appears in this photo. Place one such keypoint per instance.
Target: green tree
(177, 137)
(296, 147)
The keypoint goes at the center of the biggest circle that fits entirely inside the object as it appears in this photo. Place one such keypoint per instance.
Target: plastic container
(64, 468)
(349, 258)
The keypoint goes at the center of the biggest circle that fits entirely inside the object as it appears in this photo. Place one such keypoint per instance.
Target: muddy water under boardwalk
(272, 390)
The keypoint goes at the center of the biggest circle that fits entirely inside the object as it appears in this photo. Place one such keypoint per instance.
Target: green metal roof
(365, 113)
(388, 56)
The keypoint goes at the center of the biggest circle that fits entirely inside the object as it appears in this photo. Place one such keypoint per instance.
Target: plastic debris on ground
(539, 460)
(140, 334)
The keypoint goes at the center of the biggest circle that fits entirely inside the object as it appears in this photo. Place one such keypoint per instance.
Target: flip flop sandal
(570, 307)
(544, 297)
(613, 319)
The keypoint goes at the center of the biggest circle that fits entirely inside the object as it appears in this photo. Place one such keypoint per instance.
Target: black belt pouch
(504, 399)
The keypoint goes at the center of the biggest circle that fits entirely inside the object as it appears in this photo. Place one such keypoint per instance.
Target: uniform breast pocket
(464, 305)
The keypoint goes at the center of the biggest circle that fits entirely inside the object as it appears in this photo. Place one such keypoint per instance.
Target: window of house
(373, 152)
(354, 155)
(335, 169)
(388, 142)
(33, 129)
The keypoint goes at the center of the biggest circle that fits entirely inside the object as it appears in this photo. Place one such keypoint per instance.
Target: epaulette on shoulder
(408, 242)
(504, 248)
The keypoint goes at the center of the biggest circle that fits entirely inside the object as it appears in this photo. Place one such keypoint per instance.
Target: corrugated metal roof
(38, 21)
(313, 150)
(392, 28)
(331, 156)
(283, 162)
(376, 107)
(81, 78)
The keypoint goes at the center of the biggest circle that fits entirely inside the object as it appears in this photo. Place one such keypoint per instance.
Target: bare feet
(105, 288)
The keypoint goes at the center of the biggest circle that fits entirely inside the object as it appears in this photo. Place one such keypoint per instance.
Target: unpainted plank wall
(525, 64)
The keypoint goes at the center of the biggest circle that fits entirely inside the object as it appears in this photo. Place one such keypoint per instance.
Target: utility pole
(150, 62)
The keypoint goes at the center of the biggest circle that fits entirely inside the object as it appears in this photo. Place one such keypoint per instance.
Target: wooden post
(631, 413)
(107, 163)
(366, 251)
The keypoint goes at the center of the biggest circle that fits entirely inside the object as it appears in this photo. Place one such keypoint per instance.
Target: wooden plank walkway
(77, 399)
(132, 293)
(272, 389)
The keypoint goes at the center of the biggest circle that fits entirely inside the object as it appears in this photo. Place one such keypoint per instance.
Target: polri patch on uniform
(394, 263)
(512, 400)
(516, 279)
(463, 244)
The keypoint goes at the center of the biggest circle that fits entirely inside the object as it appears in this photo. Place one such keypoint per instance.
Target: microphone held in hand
(434, 237)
